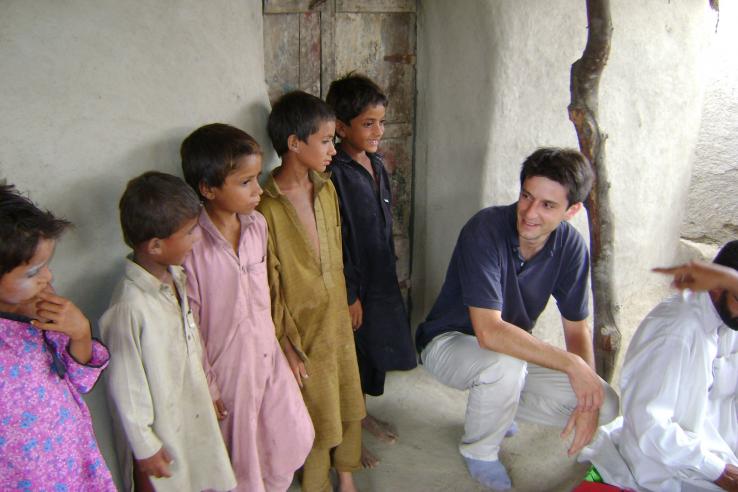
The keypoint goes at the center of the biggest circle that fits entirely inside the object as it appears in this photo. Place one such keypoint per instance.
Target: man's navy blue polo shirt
(487, 271)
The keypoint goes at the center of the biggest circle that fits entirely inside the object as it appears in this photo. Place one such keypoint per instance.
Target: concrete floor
(430, 418)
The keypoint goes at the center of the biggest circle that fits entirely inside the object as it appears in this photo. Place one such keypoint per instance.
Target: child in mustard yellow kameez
(305, 269)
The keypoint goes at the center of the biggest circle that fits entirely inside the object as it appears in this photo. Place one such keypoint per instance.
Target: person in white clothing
(679, 429)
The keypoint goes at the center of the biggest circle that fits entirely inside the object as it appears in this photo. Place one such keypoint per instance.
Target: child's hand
(357, 314)
(29, 308)
(56, 313)
(296, 364)
(156, 465)
(220, 409)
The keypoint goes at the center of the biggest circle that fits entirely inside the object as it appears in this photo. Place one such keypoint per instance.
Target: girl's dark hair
(209, 154)
(22, 226)
(296, 113)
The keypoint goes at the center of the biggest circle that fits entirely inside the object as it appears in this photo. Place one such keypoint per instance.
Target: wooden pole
(584, 87)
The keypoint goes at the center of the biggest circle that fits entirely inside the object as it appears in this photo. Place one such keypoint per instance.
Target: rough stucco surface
(712, 206)
(493, 84)
(489, 104)
(94, 94)
(651, 99)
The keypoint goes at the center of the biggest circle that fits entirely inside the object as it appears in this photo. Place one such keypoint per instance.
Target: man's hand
(586, 384)
(493, 333)
(357, 314)
(296, 364)
(156, 465)
(729, 479)
(698, 275)
(584, 425)
(221, 412)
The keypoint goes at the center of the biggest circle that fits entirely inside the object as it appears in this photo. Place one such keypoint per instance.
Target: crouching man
(507, 263)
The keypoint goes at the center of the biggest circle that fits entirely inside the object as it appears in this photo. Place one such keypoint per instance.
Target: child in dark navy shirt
(378, 314)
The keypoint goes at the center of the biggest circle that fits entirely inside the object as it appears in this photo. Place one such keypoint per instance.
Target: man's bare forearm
(578, 338)
(493, 333)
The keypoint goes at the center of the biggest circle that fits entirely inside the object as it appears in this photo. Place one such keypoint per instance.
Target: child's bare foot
(368, 459)
(384, 431)
(346, 482)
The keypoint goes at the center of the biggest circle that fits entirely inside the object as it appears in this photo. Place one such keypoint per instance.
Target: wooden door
(309, 43)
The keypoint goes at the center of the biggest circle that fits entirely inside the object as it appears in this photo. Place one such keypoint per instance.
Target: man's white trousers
(502, 389)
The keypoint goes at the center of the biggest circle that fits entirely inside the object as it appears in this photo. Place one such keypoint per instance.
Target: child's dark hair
(22, 226)
(155, 205)
(209, 154)
(352, 94)
(296, 113)
(568, 167)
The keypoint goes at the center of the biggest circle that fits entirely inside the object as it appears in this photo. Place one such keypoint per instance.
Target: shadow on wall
(454, 121)
(89, 279)
(259, 111)
(90, 283)
(95, 198)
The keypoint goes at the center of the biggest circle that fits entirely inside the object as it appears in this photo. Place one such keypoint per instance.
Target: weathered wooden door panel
(289, 6)
(292, 52)
(375, 6)
(309, 43)
(380, 45)
(281, 53)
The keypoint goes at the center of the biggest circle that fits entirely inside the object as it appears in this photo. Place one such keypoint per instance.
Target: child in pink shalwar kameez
(265, 424)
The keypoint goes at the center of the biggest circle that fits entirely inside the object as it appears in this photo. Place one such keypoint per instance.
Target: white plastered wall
(493, 84)
(95, 93)
(712, 207)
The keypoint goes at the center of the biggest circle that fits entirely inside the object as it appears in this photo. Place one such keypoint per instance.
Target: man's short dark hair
(209, 154)
(155, 205)
(568, 167)
(296, 113)
(728, 255)
(22, 226)
(352, 94)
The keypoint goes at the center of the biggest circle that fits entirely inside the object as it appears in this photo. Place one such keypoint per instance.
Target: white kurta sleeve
(127, 383)
(665, 398)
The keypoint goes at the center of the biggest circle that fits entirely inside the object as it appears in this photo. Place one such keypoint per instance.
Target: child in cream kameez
(156, 381)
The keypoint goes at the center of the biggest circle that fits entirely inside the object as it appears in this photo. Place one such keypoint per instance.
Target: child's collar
(272, 189)
(146, 281)
(207, 225)
(342, 156)
(15, 317)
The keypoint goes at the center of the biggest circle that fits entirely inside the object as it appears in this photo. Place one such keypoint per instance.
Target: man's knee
(610, 406)
(503, 374)
(457, 360)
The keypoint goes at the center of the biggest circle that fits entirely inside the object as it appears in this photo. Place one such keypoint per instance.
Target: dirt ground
(430, 418)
